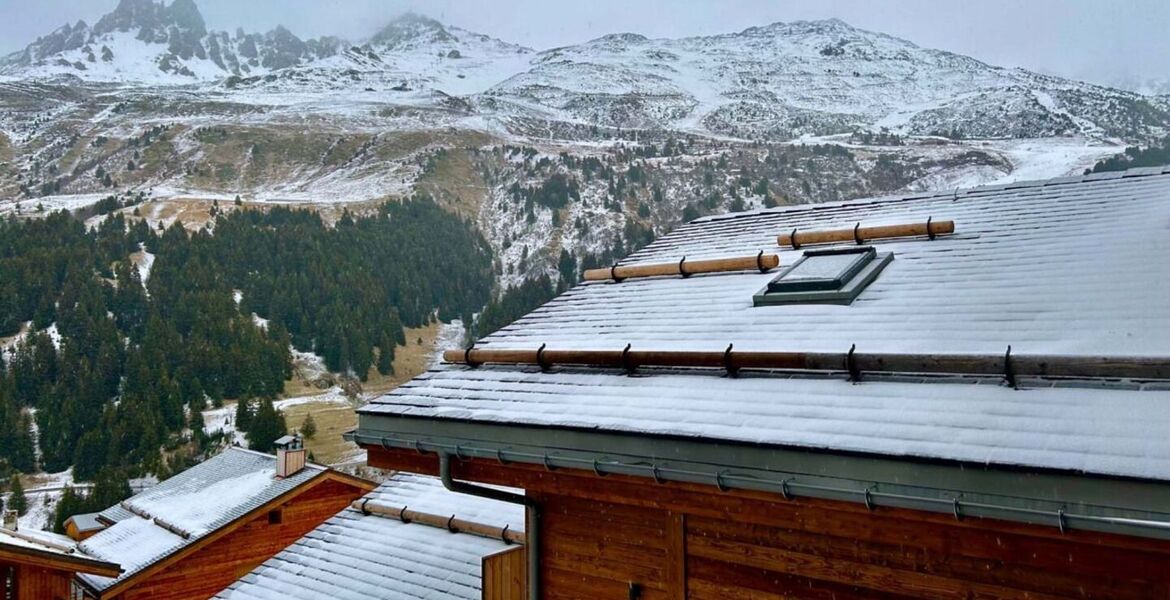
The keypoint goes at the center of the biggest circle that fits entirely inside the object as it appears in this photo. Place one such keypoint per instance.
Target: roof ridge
(926, 194)
(316, 466)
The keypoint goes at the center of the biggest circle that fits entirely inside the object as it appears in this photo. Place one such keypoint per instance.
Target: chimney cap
(288, 442)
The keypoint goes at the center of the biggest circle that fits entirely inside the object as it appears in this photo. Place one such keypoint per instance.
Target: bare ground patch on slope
(333, 418)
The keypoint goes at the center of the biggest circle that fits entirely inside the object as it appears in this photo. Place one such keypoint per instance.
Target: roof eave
(1038, 496)
(75, 563)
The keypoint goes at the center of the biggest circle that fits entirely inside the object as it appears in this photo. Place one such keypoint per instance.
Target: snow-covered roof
(38, 540)
(54, 548)
(87, 522)
(1072, 266)
(150, 526)
(115, 514)
(369, 557)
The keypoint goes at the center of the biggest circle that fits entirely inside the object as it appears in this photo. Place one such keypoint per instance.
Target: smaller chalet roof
(180, 511)
(356, 556)
(87, 521)
(42, 547)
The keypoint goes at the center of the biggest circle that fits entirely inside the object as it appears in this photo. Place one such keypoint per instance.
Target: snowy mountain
(412, 53)
(775, 82)
(147, 43)
(786, 80)
(144, 42)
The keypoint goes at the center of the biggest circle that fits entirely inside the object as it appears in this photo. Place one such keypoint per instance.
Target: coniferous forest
(114, 371)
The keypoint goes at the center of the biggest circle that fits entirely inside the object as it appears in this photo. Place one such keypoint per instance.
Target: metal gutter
(531, 528)
(1058, 506)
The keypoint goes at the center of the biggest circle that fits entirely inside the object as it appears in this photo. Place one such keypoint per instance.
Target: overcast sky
(1089, 39)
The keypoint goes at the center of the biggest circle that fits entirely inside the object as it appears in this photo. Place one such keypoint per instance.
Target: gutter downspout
(532, 509)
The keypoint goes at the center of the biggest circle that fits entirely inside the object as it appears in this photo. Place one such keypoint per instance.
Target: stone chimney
(290, 456)
(11, 523)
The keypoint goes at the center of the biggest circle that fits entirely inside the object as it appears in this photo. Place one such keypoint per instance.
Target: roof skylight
(832, 276)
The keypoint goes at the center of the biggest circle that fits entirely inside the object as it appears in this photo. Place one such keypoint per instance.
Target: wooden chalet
(197, 532)
(410, 538)
(976, 410)
(41, 566)
(83, 527)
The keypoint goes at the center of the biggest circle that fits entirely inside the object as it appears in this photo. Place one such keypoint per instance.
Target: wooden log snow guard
(451, 523)
(1008, 365)
(762, 262)
(860, 235)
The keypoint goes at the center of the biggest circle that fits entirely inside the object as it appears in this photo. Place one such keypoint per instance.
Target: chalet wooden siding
(37, 583)
(73, 532)
(38, 566)
(599, 535)
(202, 570)
(505, 575)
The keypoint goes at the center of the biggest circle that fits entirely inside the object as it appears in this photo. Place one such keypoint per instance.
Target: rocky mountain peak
(130, 15)
(412, 29)
(621, 39)
(151, 21)
(817, 29)
(185, 15)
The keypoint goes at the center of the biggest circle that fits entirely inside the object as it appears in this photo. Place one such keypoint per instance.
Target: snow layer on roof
(368, 557)
(115, 513)
(53, 543)
(87, 522)
(132, 543)
(49, 538)
(427, 494)
(199, 500)
(1071, 266)
(188, 508)
(1102, 431)
(1075, 268)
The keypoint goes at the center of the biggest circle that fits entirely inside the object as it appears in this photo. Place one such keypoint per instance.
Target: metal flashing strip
(1072, 502)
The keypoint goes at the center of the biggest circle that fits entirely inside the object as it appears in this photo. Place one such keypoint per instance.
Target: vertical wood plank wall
(505, 575)
(36, 583)
(689, 541)
(212, 568)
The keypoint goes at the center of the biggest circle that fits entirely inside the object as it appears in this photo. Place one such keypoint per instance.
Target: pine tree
(386, 356)
(198, 435)
(243, 414)
(71, 503)
(267, 426)
(90, 455)
(109, 488)
(309, 427)
(17, 500)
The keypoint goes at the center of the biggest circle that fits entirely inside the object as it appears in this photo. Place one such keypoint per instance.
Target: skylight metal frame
(785, 282)
(841, 289)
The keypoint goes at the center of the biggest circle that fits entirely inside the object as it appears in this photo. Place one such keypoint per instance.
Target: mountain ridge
(181, 106)
(779, 81)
